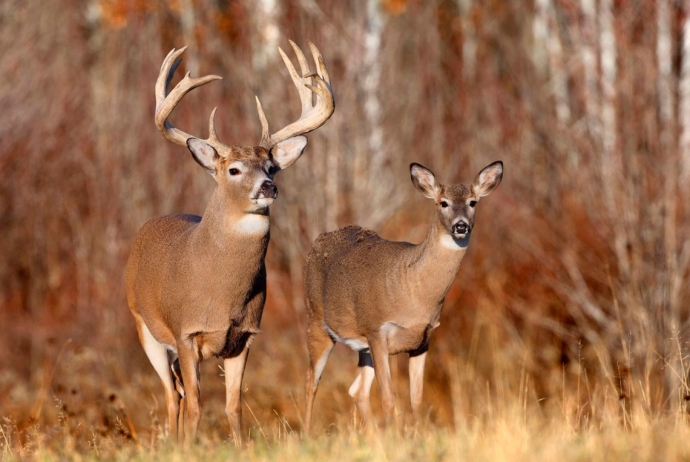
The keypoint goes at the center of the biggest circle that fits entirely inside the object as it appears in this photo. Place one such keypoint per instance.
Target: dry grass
(93, 412)
(506, 441)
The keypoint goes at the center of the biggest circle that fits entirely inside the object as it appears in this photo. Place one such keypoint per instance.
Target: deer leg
(361, 387)
(320, 345)
(179, 386)
(379, 353)
(189, 366)
(158, 355)
(416, 367)
(234, 372)
(180, 420)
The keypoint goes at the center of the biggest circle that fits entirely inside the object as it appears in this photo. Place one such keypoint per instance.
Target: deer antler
(166, 102)
(313, 115)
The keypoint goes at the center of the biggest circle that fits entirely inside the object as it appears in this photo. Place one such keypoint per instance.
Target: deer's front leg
(416, 368)
(379, 353)
(189, 359)
(234, 372)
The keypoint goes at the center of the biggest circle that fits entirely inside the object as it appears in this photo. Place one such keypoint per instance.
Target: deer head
(456, 202)
(245, 173)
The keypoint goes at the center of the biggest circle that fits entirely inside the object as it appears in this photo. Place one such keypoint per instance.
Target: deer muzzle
(460, 228)
(268, 189)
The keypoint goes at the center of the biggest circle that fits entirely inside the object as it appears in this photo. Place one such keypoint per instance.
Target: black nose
(460, 228)
(269, 189)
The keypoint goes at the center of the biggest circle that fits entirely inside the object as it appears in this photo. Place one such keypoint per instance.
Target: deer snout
(268, 190)
(461, 227)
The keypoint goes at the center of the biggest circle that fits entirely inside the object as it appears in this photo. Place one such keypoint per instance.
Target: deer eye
(444, 204)
(234, 171)
(473, 203)
(272, 170)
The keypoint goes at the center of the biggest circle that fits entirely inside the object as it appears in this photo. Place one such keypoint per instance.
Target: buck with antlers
(196, 286)
(380, 297)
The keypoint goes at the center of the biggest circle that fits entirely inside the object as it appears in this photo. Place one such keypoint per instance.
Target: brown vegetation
(572, 301)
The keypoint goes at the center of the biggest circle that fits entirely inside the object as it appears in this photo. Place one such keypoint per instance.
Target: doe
(381, 297)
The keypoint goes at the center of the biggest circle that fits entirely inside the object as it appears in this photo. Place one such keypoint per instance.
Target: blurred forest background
(572, 299)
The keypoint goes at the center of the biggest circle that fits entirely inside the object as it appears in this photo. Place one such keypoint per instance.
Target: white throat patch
(252, 224)
(449, 242)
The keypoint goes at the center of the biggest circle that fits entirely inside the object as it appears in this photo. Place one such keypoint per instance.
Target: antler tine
(323, 90)
(304, 95)
(265, 138)
(318, 60)
(313, 115)
(303, 64)
(304, 67)
(166, 102)
(212, 135)
(165, 75)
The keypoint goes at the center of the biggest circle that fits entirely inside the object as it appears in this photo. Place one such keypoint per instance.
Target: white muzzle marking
(264, 202)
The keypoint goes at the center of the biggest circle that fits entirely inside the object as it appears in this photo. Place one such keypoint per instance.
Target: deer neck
(436, 262)
(223, 224)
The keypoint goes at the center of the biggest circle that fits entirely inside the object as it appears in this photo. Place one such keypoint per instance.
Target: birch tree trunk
(188, 22)
(683, 178)
(267, 34)
(684, 95)
(370, 176)
(469, 41)
(546, 31)
(589, 65)
(666, 136)
(610, 164)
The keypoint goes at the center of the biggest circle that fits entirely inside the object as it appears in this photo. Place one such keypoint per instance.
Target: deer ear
(424, 180)
(287, 152)
(204, 154)
(488, 179)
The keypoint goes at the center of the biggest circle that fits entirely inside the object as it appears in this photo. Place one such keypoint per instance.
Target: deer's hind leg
(160, 359)
(179, 386)
(361, 387)
(320, 345)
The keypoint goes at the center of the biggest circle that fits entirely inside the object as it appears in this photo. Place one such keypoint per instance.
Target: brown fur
(383, 297)
(197, 286)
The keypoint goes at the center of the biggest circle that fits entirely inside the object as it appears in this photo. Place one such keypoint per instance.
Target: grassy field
(98, 431)
(94, 404)
(505, 440)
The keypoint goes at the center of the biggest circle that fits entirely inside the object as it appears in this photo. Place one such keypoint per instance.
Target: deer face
(245, 174)
(456, 202)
